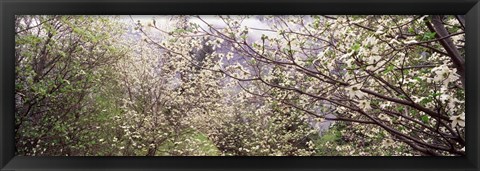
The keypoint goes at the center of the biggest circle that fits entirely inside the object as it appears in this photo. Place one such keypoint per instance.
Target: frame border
(10, 8)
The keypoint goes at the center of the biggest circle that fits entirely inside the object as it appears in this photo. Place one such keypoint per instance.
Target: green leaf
(356, 47)
(411, 30)
(180, 30)
(428, 36)
(425, 119)
(418, 79)
(389, 69)
(62, 54)
(316, 23)
(400, 109)
(425, 101)
(436, 94)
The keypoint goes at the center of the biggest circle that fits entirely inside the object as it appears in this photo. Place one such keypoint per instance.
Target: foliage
(240, 85)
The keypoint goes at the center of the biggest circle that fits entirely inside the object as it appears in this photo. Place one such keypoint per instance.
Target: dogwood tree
(240, 85)
(237, 122)
(398, 76)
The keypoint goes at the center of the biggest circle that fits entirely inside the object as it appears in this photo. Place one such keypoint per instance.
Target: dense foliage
(240, 85)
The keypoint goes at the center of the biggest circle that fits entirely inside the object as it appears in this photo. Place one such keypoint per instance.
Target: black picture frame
(9, 8)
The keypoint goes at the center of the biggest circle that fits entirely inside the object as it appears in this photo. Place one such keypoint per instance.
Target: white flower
(379, 31)
(347, 55)
(350, 62)
(354, 91)
(229, 55)
(365, 104)
(456, 39)
(445, 74)
(370, 41)
(441, 73)
(410, 42)
(219, 40)
(394, 41)
(421, 18)
(387, 142)
(444, 97)
(459, 119)
(385, 117)
(385, 105)
(374, 59)
(320, 55)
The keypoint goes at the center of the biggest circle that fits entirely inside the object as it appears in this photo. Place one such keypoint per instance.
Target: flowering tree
(60, 62)
(217, 107)
(240, 85)
(398, 76)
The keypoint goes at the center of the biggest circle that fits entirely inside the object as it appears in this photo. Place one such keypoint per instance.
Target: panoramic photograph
(256, 85)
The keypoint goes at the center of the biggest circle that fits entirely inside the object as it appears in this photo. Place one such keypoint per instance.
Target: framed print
(239, 85)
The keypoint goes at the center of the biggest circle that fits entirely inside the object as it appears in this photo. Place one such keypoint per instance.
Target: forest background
(239, 85)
